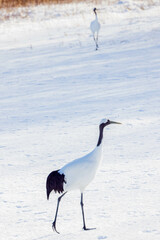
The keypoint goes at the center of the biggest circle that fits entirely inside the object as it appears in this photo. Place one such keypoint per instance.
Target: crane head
(104, 122)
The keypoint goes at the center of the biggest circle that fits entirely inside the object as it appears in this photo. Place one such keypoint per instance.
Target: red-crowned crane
(77, 174)
(95, 27)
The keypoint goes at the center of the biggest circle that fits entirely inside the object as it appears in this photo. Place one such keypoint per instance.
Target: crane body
(80, 172)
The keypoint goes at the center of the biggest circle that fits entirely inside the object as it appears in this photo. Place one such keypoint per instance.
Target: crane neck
(101, 127)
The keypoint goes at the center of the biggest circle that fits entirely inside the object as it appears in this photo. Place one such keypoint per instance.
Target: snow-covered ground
(54, 90)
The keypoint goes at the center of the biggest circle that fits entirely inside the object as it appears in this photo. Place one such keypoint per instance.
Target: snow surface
(54, 90)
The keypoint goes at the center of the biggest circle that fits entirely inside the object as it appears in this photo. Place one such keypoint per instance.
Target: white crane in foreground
(95, 27)
(77, 174)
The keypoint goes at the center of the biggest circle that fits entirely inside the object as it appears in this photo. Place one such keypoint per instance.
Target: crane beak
(115, 122)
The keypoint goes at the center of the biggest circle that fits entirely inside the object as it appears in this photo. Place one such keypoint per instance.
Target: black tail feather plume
(55, 182)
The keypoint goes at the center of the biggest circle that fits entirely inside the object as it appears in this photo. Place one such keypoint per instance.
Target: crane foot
(86, 229)
(54, 227)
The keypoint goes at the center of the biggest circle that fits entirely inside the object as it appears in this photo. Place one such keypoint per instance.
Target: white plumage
(80, 172)
(95, 27)
(77, 174)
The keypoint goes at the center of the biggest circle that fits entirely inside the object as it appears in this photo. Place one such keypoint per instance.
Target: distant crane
(77, 174)
(95, 27)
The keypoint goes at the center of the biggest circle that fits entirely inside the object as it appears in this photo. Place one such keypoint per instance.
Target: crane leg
(54, 223)
(97, 42)
(84, 224)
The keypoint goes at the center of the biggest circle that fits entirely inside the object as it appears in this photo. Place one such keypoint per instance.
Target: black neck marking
(95, 11)
(101, 127)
